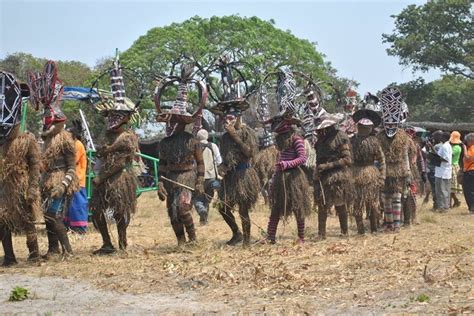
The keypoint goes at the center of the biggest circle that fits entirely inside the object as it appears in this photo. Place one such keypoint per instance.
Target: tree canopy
(438, 34)
(258, 44)
(449, 99)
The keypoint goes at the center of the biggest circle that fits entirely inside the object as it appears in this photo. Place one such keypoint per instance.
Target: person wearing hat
(59, 180)
(395, 144)
(455, 141)
(212, 159)
(115, 184)
(239, 145)
(368, 179)
(19, 172)
(181, 155)
(334, 183)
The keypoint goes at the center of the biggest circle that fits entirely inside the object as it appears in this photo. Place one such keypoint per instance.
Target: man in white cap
(212, 159)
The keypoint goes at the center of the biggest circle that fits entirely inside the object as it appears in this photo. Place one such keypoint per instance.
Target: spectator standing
(455, 141)
(78, 211)
(212, 159)
(432, 145)
(443, 174)
(468, 177)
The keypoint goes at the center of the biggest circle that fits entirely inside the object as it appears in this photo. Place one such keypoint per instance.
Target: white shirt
(445, 170)
(211, 161)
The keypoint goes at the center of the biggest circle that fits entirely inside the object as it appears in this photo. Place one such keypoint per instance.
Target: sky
(348, 32)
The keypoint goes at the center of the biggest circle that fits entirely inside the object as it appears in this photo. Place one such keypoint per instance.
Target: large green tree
(255, 42)
(450, 99)
(438, 34)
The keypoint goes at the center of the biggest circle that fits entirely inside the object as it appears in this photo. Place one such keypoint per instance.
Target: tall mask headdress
(231, 92)
(392, 109)
(178, 113)
(263, 115)
(114, 104)
(47, 89)
(11, 94)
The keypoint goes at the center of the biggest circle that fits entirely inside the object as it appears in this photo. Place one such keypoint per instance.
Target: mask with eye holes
(11, 94)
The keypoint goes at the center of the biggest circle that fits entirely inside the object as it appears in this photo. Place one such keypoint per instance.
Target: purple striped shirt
(292, 157)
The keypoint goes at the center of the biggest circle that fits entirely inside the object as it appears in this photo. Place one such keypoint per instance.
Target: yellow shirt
(81, 163)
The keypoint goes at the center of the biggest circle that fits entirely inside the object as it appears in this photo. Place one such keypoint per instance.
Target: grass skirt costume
(290, 187)
(336, 185)
(179, 154)
(264, 164)
(396, 151)
(367, 179)
(19, 193)
(117, 190)
(58, 163)
(240, 183)
(338, 182)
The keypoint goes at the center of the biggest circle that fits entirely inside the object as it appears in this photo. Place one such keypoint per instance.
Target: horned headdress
(47, 90)
(178, 113)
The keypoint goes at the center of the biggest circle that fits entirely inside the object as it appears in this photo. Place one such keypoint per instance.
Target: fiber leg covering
(101, 224)
(396, 208)
(53, 241)
(178, 229)
(6, 236)
(322, 217)
(373, 212)
(342, 213)
(32, 244)
(246, 225)
(300, 225)
(272, 227)
(229, 218)
(122, 232)
(61, 232)
(387, 210)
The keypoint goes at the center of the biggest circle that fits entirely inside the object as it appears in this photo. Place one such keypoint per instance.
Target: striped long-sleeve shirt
(293, 156)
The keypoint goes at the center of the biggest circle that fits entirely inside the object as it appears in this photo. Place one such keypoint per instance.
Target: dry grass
(384, 273)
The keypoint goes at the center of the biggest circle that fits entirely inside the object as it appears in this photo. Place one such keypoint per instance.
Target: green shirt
(456, 154)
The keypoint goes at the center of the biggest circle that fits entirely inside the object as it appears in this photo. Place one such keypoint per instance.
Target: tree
(256, 43)
(448, 100)
(438, 34)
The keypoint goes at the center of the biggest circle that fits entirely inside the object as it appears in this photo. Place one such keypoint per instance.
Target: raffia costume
(181, 161)
(19, 173)
(58, 169)
(239, 146)
(368, 179)
(266, 157)
(117, 187)
(334, 184)
(395, 144)
(290, 185)
(116, 183)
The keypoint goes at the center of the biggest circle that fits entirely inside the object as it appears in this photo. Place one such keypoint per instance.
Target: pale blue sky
(349, 33)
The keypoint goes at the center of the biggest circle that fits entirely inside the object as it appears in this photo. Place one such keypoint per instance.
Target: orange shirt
(81, 163)
(469, 159)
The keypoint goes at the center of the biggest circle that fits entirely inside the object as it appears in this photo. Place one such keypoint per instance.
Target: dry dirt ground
(427, 268)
